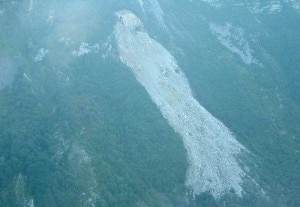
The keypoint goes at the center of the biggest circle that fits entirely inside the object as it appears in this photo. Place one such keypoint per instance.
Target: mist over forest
(149, 103)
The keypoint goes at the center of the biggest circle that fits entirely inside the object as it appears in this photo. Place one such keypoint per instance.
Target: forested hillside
(149, 103)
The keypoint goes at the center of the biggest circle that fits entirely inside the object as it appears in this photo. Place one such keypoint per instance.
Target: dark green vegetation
(260, 105)
(100, 112)
(81, 130)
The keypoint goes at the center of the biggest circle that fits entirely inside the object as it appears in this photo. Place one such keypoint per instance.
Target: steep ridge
(257, 6)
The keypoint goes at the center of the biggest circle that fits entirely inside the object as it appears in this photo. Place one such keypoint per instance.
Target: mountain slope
(206, 115)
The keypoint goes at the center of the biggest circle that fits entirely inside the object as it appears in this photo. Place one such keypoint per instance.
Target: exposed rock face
(235, 40)
(259, 7)
(212, 149)
(23, 199)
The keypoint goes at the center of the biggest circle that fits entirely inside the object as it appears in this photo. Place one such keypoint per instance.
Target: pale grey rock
(40, 55)
(211, 148)
(235, 40)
